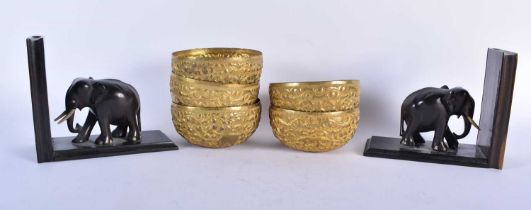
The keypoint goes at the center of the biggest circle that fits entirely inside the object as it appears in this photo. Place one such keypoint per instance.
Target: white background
(393, 47)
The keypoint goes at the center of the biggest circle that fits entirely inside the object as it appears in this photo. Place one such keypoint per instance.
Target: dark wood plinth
(152, 141)
(489, 150)
(385, 147)
(51, 149)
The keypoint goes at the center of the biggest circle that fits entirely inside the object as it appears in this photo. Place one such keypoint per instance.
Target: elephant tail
(139, 121)
(401, 122)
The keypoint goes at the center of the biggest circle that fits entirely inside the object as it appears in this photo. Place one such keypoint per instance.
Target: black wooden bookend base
(385, 147)
(152, 141)
(489, 150)
(51, 149)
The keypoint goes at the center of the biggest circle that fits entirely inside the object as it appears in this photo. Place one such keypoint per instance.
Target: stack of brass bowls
(215, 95)
(315, 116)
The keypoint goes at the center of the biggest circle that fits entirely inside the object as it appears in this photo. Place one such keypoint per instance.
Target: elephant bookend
(429, 109)
(111, 102)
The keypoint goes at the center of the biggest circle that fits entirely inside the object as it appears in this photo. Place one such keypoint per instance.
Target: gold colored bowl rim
(228, 108)
(315, 83)
(187, 54)
(216, 84)
(314, 113)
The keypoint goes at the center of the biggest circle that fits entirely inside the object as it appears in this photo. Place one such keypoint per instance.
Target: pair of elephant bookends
(429, 109)
(111, 102)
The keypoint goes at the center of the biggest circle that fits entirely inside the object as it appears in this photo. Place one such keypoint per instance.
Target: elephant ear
(448, 101)
(98, 90)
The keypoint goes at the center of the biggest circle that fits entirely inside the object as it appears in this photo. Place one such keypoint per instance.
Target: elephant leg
(120, 131)
(134, 131)
(418, 138)
(450, 138)
(105, 136)
(407, 138)
(438, 139)
(85, 131)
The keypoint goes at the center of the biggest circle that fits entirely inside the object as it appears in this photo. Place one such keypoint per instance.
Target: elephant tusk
(60, 116)
(472, 122)
(64, 116)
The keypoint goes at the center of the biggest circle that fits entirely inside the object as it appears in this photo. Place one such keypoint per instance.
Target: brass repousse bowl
(223, 65)
(326, 96)
(216, 127)
(313, 131)
(192, 92)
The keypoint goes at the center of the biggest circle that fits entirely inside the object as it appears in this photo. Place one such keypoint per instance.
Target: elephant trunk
(68, 115)
(468, 126)
(468, 121)
(70, 123)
